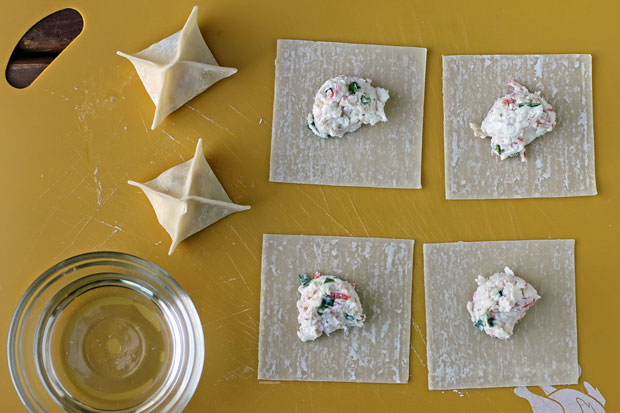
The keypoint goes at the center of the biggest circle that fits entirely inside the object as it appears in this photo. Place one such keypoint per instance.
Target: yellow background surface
(72, 139)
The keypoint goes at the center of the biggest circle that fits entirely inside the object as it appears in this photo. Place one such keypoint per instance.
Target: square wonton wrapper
(543, 348)
(386, 155)
(377, 352)
(560, 163)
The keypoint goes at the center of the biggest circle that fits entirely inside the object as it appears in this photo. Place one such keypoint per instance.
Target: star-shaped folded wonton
(177, 68)
(188, 198)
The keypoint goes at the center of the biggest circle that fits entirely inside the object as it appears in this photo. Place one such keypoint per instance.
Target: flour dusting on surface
(98, 185)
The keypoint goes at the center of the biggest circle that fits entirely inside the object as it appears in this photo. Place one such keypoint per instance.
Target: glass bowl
(105, 331)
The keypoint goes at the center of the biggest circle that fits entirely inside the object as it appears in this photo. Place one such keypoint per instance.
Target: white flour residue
(98, 183)
(115, 228)
(385, 328)
(396, 374)
(390, 250)
(583, 120)
(168, 135)
(538, 67)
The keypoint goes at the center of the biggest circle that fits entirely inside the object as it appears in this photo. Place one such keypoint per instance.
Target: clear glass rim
(189, 318)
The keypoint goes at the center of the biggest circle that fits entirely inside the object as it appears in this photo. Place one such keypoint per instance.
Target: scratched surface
(376, 353)
(560, 163)
(73, 138)
(385, 155)
(543, 348)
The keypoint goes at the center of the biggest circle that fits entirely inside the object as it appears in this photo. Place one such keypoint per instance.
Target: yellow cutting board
(72, 139)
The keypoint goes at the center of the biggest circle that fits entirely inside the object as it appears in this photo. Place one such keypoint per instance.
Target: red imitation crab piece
(339, 295)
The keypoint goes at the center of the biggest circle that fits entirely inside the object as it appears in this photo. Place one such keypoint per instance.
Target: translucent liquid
(115, 348)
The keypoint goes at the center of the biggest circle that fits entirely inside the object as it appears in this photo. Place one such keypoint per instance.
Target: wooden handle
(21, 72)
(41, 44)
(53, 33)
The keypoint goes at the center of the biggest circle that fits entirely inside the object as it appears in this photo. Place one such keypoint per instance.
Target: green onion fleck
(349, 317)
(530, 104)
(498, 149)
(365, 100)
(328, 280)
(490, 322)
(305, 279)
(353, 87)
(479, 324)
(501, 293)
(326, 302)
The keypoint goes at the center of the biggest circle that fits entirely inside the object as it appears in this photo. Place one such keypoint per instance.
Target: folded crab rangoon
(177, 68)
(188, 198)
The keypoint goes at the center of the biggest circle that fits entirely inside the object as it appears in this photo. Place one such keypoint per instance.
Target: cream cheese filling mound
(327, 304)
(515, 120)
(500, 302)
(345, 103)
